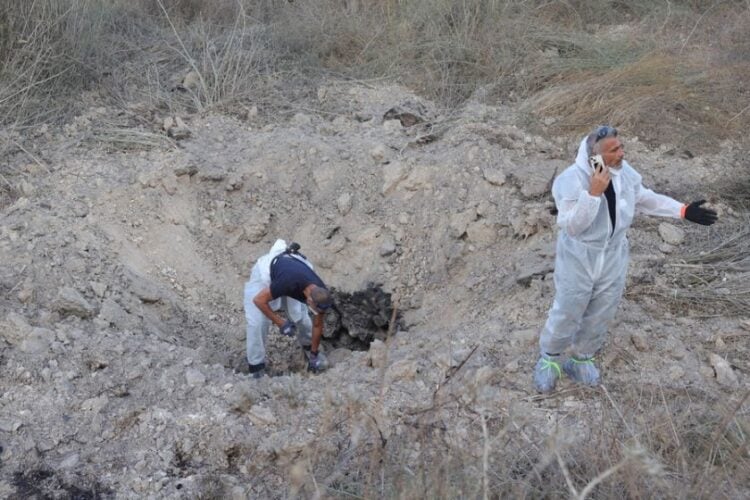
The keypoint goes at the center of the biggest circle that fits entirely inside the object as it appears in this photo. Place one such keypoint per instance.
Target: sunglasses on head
(605, 131)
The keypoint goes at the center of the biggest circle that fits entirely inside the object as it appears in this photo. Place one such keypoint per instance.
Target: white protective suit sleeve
(576, 214)
(649, 203)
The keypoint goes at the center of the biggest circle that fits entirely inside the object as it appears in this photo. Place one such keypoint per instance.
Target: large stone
(379, 153)
(525, 337)
(15, 328)
(419, 178)
(37, 341)
(459, 222)
(261, 415)
(7, 425)
(95, 404)
(143, 288)
(70, 302)
(194, 377)
(640, 342)
(725, 375)
(527, 271)
(494, 176)
(257, 227)
(672, 235)
(393, 174)
(344, 203)
(376, 355)
(70, 461)
(405, 369)
(482, 232)
(112, 314)
(387, 246)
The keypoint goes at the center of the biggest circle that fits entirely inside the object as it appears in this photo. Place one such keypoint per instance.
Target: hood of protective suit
(264, 263)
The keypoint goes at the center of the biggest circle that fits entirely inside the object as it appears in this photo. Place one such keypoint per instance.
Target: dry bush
(639, 441)
(681, 82)
(669, 71)
(711, 277)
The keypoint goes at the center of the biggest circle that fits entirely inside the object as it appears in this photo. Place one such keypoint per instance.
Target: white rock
(38, 341)
(70, 302)
(512, 367)
(392, 125)
(302, 119)
(168, 123)
(10, 425)
(666, 248)
(70, 461)
(194, 377)
(99, 288)
(261, 415)
(676, 372)
(494, 176)
(482, 232)
(527, 336)
(344, 203)
(95, 404)
(376, 354)
(379, 153)
(257, 226)
(460, 222)
(725, 375)
(387, 247)
(15, 328)
(672, 235)
(393, 173)
(404, 369)
(639, 341)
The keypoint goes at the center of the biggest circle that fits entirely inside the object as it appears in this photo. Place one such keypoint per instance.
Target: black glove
(694, 212)
(288, 329)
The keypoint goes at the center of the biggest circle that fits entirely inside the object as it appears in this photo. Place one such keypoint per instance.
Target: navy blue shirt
(290, 276)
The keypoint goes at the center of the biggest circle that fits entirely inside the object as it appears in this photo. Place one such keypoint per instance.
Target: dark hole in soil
(43, 484)
(365, 316)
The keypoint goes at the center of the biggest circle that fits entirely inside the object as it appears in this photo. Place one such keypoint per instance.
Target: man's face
(612, 152)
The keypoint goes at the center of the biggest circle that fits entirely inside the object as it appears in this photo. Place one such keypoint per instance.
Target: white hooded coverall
(592, 260)
(257, 322)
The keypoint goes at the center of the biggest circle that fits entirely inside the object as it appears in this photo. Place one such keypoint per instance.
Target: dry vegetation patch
(669, 72)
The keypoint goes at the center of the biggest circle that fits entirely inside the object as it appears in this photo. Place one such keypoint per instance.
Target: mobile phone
(597, 163)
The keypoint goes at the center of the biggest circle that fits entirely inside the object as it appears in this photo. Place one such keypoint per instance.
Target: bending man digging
(284, 279)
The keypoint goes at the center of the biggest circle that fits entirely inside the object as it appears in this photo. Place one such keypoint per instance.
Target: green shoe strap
(582, 361)
(549, 364)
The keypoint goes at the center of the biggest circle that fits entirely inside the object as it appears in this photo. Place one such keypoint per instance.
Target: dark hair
(322, 297)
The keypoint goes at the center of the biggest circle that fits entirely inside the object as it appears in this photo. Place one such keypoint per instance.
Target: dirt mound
(361, 317)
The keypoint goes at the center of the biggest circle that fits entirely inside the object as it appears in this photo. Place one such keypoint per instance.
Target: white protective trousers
(592, 257)
(257, 322)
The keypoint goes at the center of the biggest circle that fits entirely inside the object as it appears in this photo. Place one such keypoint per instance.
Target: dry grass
(711, 278)
(636, 441)
(669, 71)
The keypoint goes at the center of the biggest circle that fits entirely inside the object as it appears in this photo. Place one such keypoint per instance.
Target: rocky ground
(127, 235)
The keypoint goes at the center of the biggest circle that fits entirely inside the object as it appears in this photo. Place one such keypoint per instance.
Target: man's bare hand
(599, 181)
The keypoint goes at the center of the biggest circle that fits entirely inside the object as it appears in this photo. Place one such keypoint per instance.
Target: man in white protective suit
(596, 199)
(285, 279)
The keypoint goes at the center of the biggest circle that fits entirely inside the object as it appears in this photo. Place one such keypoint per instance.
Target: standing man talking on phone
(596, 198)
